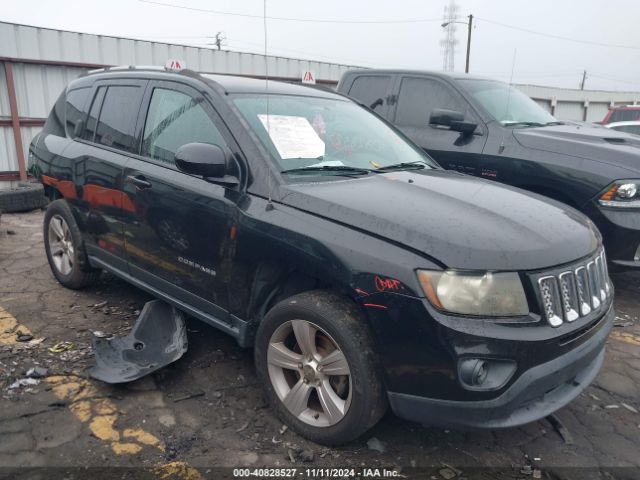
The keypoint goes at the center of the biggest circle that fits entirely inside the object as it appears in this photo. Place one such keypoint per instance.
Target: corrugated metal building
(37, 63)
(570, 104)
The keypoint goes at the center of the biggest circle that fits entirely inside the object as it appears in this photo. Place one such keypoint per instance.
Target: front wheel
(316, 361)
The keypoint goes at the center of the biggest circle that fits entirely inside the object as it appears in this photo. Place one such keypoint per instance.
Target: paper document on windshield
(293, 137)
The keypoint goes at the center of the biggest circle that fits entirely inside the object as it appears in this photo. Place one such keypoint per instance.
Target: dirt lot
(206, 410)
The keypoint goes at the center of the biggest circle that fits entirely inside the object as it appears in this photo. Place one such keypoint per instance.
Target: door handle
(139, 181)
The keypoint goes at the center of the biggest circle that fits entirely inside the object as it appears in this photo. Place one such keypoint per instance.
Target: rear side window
(76, 110)
(117, 119)
(419, 97)
(175, 119)
(370, 90)
(55, 121)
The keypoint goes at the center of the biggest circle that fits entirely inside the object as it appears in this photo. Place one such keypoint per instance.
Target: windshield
(507, 104)
(326, 136)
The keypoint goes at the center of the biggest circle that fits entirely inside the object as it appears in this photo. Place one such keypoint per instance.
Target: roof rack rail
(127, 67)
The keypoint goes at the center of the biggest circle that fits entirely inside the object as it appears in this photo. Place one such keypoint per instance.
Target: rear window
(370, 90)
(76, 110)
(117, 119)
(624, 115)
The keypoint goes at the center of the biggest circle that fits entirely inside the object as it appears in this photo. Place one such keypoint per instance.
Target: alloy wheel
(309, 373)
(61, 245)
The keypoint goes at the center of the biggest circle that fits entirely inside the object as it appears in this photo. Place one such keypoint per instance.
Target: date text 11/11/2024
(315, 473)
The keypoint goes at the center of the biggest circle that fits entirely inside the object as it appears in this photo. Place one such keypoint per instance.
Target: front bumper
(536, 393)
(621, 235)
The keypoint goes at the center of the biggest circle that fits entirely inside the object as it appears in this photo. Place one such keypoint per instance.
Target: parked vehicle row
(362, 272)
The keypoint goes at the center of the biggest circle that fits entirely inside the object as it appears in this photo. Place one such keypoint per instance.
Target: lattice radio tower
(448, 43)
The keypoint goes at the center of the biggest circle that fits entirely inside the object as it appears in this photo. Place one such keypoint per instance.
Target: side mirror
(452, 119)
(444, 118)
(202, 159)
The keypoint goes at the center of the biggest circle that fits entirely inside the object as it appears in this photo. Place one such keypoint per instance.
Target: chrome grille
(576, 291)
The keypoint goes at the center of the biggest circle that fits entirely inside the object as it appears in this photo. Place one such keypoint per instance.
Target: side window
(419, 96)
(369, 89)
(94, 112)
(76, 109)
(118, 115)
(175, 119)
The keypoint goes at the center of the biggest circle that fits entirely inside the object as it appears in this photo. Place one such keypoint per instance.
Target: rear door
(417, 97)
(104, 141)
(178, 242)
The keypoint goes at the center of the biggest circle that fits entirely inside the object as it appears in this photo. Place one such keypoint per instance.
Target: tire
(63, 237)
(355, 402)
(23, 198)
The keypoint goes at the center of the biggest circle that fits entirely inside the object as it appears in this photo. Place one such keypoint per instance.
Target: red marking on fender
(233, 232)
(383, 284)
(375, 305)
(361, 292)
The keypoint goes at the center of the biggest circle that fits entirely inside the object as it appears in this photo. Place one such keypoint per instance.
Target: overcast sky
(538, 60)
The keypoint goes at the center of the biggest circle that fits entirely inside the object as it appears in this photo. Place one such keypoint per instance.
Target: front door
(180, 237)
(417, 98)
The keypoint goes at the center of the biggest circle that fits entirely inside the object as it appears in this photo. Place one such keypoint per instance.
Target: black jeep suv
(489, 129)
(305, 226)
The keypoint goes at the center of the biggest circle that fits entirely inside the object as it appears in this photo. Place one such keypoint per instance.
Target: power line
(557, 37)
(291, 19)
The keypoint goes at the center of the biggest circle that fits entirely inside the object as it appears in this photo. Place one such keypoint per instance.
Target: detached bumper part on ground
(158, 338)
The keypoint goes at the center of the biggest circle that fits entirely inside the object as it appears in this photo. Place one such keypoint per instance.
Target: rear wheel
(65, 248)
(315, 359)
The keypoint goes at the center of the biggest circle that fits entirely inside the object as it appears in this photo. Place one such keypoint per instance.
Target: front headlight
(485, 294)
(621, 194)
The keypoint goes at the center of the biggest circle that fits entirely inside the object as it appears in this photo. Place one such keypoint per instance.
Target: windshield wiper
(525, 124)
(417, 165)
(330, 168)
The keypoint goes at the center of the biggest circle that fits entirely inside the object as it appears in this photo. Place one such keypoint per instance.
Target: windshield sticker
(293, 137)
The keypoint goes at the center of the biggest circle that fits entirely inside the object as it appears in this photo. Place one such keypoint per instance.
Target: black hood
(592, 143)
(461, 221)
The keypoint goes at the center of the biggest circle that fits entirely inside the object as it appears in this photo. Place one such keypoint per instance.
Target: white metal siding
(569, 111)
(546, 104)
(597, 111)
(5, 110)
(53, 45)
(8, 161)
(38, 87)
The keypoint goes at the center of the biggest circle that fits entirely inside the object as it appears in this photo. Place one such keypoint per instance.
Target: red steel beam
(24, 122)
(15, 120)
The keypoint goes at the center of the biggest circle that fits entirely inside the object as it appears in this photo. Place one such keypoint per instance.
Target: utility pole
(466, 68)
(584, 79)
